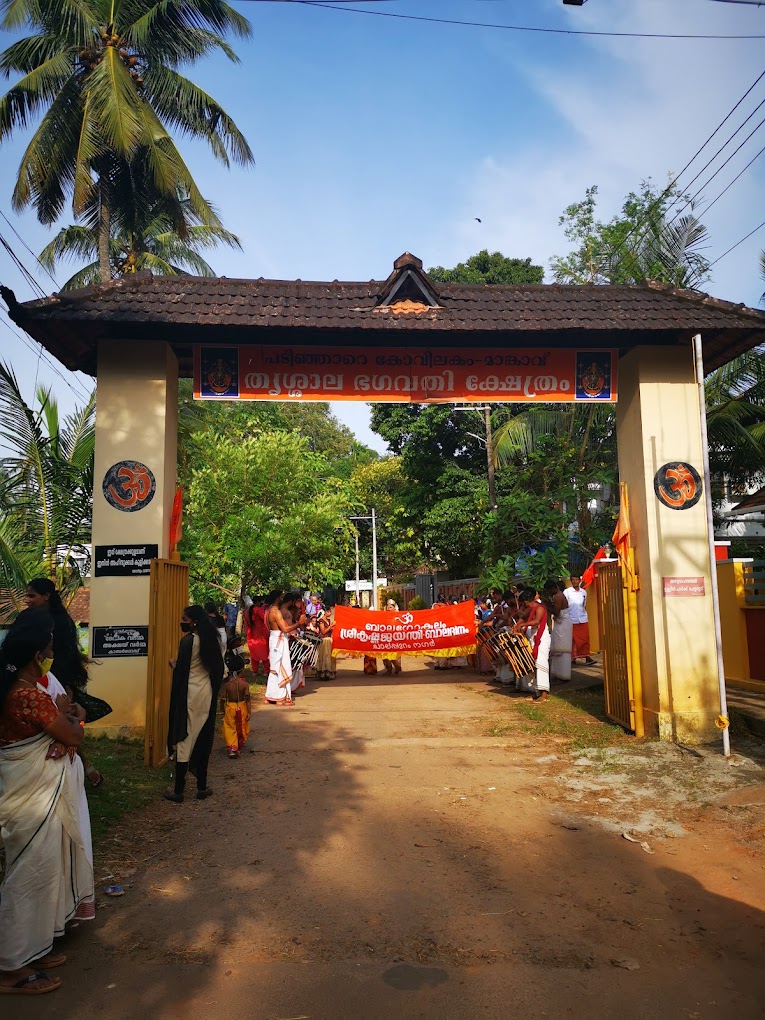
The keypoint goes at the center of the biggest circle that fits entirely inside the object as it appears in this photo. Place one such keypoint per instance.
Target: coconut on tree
(103, 75)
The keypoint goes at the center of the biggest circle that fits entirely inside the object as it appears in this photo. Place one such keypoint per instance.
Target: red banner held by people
(418, 632)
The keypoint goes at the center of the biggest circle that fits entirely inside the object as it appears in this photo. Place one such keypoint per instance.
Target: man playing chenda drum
(278, 688)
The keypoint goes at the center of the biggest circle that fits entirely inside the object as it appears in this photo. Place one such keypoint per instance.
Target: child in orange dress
(235, 703)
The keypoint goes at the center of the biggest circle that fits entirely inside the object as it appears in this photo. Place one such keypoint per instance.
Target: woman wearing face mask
(197, 677)
(48, 879)
(68, 660)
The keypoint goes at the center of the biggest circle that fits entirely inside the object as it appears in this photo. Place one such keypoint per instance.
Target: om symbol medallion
(677, 485)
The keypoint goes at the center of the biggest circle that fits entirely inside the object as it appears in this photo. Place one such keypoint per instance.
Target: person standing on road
(576, 597)
(538, 633)
(197, 676)
(560, 642)
(278, 689)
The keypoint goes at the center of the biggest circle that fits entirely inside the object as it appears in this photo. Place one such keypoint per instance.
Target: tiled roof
(194, 308)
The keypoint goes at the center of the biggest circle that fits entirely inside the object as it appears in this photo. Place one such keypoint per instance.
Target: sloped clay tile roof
(191, 310)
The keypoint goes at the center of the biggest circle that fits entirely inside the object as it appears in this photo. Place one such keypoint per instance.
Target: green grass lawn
(578, 716)
(127, 783)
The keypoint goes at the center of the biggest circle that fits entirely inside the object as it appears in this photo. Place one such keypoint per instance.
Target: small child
(235, 703)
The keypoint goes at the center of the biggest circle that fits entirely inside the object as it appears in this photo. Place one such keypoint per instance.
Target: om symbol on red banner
(129, 485)
(677, 485)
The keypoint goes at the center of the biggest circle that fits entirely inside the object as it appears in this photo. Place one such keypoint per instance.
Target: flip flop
(22, 987)
(114, 890)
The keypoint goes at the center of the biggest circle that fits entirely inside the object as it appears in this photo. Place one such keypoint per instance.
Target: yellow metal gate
(617, 666)
(169, 597)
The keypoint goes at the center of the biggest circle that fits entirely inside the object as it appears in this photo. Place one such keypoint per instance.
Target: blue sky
(374, 136)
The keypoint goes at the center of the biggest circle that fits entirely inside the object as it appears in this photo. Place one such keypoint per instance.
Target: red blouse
(25, 713)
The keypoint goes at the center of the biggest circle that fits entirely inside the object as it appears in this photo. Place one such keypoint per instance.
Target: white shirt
(576, 604)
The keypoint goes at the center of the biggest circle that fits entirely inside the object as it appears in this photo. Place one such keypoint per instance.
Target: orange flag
(589, 575)
(621, 536)
(176, 519)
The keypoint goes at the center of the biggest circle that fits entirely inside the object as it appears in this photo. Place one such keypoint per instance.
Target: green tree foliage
(654, 237)
(735, 399)
(267, 496)
(46, 489)
(489, 268)
(101, 86)
(263, 512)
(166, 239)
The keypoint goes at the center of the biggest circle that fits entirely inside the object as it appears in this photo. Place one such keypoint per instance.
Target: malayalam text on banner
(403, 374)
(419, 632)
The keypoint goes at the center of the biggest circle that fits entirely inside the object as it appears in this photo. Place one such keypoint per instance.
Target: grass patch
(127, 783)
(577, 716)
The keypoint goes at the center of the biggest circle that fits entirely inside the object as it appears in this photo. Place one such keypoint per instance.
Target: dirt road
(381, 856)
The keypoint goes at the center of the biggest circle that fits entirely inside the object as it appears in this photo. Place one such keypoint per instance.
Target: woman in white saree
(48, 874)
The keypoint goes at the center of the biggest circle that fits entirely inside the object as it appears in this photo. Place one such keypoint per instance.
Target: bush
(417, 603)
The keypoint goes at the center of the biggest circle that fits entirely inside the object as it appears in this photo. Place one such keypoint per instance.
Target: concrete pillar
(658, 423)
(136, 421)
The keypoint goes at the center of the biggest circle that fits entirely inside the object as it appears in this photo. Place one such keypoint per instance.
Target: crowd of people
(554, 621)
(44, 705)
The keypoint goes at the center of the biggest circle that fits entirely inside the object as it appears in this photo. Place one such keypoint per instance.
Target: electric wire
(504, 27)
(82, 394)
(24, 243)
(728, 186)
(734, 246)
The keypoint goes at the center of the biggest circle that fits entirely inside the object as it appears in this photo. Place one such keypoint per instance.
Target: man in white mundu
(278, 688)
(538, 633)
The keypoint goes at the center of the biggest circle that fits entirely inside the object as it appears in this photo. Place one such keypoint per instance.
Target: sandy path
(379, 857)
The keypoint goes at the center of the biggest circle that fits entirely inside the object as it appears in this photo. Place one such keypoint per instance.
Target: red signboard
(422, 631)
(403, 374)
(682, 586)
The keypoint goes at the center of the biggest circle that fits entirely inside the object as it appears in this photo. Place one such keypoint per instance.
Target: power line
(22, 268)
(657, 202)
(35, 257)
(82, 395)
(738, 175)
(732, 247)
(509, 28)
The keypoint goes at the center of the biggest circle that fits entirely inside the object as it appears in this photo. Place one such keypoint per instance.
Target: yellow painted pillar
(658, 425)
(134, 487)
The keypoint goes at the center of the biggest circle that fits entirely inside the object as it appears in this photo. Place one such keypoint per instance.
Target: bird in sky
(477, 219)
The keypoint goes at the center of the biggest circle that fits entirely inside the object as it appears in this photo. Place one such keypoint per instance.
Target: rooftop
(407, 307)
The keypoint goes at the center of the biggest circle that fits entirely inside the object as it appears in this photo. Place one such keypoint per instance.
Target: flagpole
(723, 718)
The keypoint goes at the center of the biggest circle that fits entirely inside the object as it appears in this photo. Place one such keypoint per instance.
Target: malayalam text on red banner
(422, 631)
(403, 374)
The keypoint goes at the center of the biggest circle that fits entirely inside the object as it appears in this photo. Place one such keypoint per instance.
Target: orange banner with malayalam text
(417, 632)
(403, 374)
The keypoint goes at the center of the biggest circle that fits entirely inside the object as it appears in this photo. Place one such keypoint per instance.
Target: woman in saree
(197, 677)
(257, 635)
(48, 875)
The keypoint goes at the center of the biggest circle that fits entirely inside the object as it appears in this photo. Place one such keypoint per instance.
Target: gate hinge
(632, 704)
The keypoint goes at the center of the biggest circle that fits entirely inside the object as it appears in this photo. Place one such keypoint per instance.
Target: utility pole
(490, 458)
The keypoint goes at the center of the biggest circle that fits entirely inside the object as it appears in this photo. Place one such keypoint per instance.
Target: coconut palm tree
(167, 241)
(102, 76)
(46, 489)
(735, 399)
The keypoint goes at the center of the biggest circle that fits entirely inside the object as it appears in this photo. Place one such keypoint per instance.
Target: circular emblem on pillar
(677, 485)
(129, 486)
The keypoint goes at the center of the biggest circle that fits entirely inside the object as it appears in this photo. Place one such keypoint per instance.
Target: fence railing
(754, 583)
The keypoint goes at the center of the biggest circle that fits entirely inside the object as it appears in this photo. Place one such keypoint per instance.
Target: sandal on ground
(94, 776)
(176, 798)
(25, 985)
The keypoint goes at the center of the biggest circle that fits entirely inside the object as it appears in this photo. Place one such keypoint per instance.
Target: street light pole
(374, 559)
(358, 592)
(373, 518)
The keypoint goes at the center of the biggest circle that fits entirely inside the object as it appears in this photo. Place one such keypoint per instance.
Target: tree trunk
(104, 262)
